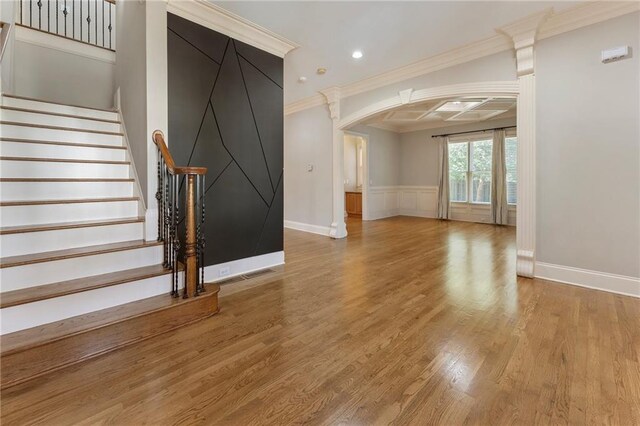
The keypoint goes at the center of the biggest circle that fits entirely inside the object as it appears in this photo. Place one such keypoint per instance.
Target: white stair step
(41, 238)
(20, 213)
(16, 167)
(27, 116)
(33, 314)
(10, 148)
(39, 105)
(58, 134)
(82, 264)
(59, 189)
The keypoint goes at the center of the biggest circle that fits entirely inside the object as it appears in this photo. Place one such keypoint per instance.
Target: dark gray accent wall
(226, 114)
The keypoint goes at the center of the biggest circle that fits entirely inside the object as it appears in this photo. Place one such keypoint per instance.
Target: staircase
(78, 279)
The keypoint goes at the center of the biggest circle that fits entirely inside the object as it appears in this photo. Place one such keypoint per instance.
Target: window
(511, 155)
(470, 171)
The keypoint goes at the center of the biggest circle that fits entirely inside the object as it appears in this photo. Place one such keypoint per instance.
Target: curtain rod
(474, 131)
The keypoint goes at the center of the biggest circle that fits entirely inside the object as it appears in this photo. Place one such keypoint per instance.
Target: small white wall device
(615, 54)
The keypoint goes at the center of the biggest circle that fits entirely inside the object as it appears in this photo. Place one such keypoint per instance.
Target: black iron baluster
(110, 27)
(21, 11)
(57, 7)
(88, 22)
(31, 13)
(167, 206)
(202, 236)
(95, 17)
(73, 17)
(103, 43)
(65, 13)
(80, 18)
(39, 4)
(49, 15)
(176, 247)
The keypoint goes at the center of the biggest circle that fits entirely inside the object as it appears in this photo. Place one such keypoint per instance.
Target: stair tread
(36, 336)
(62, 143)
(63, 160)
(6, 95)
(69, 129)
(63, 288)
(67, 201)
(48, 256)
(57, 114)
(67, 225)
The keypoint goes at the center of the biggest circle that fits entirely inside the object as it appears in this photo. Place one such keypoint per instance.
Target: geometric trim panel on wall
(226, 114)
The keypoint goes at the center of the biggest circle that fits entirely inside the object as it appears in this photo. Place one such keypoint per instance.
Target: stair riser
(33, 150)
(55, 120)
(60, 109)
(15, 191)
(29, 315)
(75, 212)
(19, 277)
(46, 169)
(62, 239)
(37, 133)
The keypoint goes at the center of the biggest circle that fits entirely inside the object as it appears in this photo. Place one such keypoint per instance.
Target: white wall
(59, 76)
(131, 79)
(588, 149)
(7, 14)
(308, 141)
(384, 155)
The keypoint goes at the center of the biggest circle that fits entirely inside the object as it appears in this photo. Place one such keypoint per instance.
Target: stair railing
(170, 180)
(87, 21)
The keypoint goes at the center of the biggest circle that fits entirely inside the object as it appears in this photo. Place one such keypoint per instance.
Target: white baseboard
(243, 266)
(620, 284)
(307, 227)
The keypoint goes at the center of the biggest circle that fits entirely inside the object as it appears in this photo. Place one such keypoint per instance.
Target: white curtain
(499, 207)
(443, 183)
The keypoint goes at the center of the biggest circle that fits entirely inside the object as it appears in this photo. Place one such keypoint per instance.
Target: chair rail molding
(219, 19)
(523, 34)
(338, 225)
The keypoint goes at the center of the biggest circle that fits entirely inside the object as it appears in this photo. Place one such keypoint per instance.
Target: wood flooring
(407, 321)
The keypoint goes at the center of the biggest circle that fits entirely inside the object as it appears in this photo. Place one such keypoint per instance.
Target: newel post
(523, 34)
(191, 264)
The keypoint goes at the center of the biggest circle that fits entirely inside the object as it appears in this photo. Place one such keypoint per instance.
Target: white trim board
(219, 19)
(50, 41)
(307, 227)
(243, 266)
(557, 23)
(612, 283)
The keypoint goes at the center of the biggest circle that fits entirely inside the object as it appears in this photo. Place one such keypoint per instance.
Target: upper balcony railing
(88, 21)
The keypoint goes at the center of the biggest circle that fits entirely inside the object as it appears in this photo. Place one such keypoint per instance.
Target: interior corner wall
(308, 142)
(64, 77)
(384, 155)
(131, 79)
(7, 14)
(498, 67)
(588, 149)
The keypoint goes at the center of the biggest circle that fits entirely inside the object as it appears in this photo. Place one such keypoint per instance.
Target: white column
(338, 226)
(523, 33)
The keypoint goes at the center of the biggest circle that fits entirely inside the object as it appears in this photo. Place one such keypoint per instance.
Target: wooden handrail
(158, 139)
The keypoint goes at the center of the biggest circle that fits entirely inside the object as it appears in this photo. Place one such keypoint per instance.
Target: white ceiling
(442, 113)
(391, 34)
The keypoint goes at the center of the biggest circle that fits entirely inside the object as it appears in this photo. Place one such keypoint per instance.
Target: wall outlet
(223, 272)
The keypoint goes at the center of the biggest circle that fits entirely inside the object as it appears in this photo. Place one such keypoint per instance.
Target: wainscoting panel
(226, 113)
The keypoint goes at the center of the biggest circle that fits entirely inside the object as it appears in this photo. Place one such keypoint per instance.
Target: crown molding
(554, 24)
(584, 15)
(219, 19)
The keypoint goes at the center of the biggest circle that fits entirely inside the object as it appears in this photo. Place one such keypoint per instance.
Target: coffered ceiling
(442, 113)
(389, 34)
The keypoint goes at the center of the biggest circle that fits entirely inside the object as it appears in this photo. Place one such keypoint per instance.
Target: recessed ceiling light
(357, 54)
(302, 79)
(321, 71)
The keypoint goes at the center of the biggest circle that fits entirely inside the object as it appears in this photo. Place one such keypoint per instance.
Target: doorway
(356, 176)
